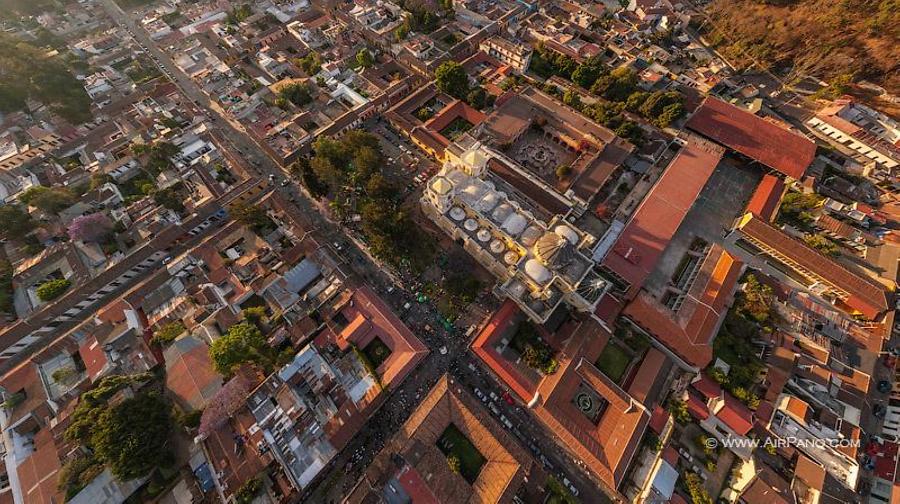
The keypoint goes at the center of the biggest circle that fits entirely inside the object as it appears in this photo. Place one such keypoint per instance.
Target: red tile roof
(755, 137)
(735, 415)
(865, 296)
(696, 407)
(484, 344)
(190, 375)
(658, 419)
(767, 197)
(690, 331)
(654, 223)
(607, 447)
(706, 386)
(371, 318)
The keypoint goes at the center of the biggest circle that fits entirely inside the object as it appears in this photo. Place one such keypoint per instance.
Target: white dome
(514, 224)
(567, 233)
(530, 235)
(470, 225)
(457, 213)
(483, 235)
(511, 258)
(488, 202)
(497, 246)
(473, 192)
(537, 272)
(501, 212)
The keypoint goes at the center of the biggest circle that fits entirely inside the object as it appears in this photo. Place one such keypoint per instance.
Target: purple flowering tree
(90, 228)
(224, 404)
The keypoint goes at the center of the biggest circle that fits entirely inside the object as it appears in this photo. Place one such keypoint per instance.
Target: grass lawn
(613, 362)
(454, 443)
(377, 352)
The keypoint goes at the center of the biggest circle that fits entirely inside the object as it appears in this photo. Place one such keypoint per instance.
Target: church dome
(554, 250)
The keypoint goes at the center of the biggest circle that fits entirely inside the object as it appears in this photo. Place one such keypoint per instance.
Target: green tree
(51, 200)
(588, 72)
(401, 32)
(30, 73)
(364, 58)
(167, 333)
(132, 436)
(99, 179)
(630, 131)
(253, 217)
(679, 410)
(477, 98)
(572, 99)
(6, 288)
(302, 171)
(635, 100)
(170, 198)
(254, 314)
(311, 63)
(243, 343)
(695, 488)
(796, 208)
(563, 171)
(453, 463)
(822, 244)
(451, 78)
(296, 93)
(52, 289)
(755, 302)
(16, 222)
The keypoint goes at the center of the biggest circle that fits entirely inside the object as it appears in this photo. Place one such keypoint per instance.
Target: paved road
(423, 319)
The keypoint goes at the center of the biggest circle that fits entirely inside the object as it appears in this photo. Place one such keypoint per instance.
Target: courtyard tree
(364, 58)
(242, 344)
(51, 200)
(451, 78)
(16, 222)
(52, 289)
(131, 437)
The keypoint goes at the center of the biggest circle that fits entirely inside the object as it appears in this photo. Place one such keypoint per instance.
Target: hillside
(823, 38)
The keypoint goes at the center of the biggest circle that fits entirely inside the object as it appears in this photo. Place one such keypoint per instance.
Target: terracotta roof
(608, 444)
(505, 467)
(768, 487)
(735, 415)
(484, 344)
(797, 407)
(689, 331)
(371, 318)
(38, 472)
(839, 228)
(865, 296)
(767, 197)
(189, 372)
(706, 386)
(812, 473)
(595, 175)
(658, 419)
(654, 223)
(697, 407)
(653, 363)
(764, 141)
